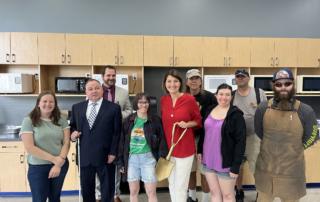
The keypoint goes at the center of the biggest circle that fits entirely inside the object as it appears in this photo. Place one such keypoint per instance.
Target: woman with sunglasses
(182, 108)
(46, 136)
(222, 146)
(142, 142)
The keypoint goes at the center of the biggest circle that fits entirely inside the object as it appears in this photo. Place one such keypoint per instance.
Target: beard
(284, 99)
(109, 82)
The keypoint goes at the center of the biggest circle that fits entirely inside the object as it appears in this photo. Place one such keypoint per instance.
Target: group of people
(223, 131)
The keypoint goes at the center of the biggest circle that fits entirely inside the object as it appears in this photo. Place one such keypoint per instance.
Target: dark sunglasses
(286, 84)
(242, 71)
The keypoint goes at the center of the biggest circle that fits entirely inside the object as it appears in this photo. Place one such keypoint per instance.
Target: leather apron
(280, 167)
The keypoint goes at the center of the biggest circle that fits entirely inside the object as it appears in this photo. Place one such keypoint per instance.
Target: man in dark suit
(99, 131)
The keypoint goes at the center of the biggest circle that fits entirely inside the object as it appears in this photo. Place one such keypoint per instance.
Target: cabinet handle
(171, 60)
(62, 58)
(120, 59)
(318, 62)
(72, 159)
(21, 160)
(13, 58)
(277, 61)
(9, 147)
(224, 61)
(115, 59)
(176, 61)
(8, 57)
(229, 61)
(272, 61)
(69, 58)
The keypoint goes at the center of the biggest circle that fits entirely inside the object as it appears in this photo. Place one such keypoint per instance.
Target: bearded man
(286, 127)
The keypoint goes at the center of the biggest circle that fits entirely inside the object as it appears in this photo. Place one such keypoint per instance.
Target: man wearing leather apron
(286, 127)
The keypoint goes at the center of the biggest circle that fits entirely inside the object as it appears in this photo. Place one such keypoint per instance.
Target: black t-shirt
(203, 102)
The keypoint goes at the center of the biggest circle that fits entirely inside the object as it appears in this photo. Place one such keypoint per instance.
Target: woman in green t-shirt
(46, 136)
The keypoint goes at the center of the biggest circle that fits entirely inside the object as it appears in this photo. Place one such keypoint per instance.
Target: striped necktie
(93, 114)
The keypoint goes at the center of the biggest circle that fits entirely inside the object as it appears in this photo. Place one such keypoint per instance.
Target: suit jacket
(122, 98)
(103, 138)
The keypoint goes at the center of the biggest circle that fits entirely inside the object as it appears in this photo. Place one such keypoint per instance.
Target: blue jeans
(43, 187)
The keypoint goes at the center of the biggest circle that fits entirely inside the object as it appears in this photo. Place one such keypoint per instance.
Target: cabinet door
(308, 52)
(71, 180)
(78, 49)
(52, 48)
(286, 52)
(238, 52)
(5, 48)
(24, 48)
(12, 172)
(312, 164)
(130, 50)
(105, 49)
(187, 51)
(214, 51)
(262, 52)
(158, 51)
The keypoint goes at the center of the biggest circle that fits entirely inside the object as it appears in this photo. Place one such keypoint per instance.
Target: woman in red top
(182, 108)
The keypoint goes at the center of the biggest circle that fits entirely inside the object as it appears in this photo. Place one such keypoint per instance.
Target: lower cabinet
(71, 182)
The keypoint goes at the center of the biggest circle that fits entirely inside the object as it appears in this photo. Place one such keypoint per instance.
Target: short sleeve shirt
(48, 137)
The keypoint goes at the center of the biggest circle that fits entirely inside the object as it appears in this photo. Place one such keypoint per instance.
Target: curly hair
(36, 113)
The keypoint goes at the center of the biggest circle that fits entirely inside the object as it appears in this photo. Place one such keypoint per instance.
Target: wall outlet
(134, 76)
(88, 75)
(36, 76)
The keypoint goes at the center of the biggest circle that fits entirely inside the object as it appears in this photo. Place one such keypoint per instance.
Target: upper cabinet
(78, 49)
(274, 52)
(158, 51)
(130, 50)
(5, 48)
(308, 52)
(18, 48)
(105, 49)
(214, 51)
(238, 52)
(52, 48)
(187, 51)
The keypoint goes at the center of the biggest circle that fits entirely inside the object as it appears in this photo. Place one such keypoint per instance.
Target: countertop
(7, 137)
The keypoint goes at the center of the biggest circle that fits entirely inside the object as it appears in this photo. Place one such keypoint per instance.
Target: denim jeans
(43, 187)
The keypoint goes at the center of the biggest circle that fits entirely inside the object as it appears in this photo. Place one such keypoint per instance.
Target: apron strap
(296, 105)
(270, 103)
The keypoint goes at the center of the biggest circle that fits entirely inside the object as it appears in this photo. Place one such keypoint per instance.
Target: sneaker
(239, 195)
(189, 199)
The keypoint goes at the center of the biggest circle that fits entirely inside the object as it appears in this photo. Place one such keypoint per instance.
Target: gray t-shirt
(47, 137)
(306, 115)
(248, 105)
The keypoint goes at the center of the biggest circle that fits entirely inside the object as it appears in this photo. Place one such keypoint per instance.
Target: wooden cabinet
(262, 52)
(72, 178)
(12, 168)
(312, 164)
(5, 48)
(308, 52)
(187, 51)
(158, 51)
(105, 49)
(286, 52)
(238, 52)
(78, 49)
(214, 51)
(52, 48)
(130, 50)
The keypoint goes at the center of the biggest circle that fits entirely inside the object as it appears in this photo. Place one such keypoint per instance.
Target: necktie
(93, 115)
(109, 95)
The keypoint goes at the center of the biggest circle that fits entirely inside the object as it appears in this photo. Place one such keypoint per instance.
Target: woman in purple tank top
(222, 147)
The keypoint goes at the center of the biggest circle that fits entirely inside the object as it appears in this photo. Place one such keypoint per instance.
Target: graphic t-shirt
(138, 142)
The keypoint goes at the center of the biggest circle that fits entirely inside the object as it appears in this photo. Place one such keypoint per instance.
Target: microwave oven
(16, 83)
(211, 82)
(262, 81)
(308, 84)
(70, 84)
(122, 80)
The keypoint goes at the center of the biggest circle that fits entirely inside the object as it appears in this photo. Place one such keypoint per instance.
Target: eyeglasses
(286, 84)
(143, 103)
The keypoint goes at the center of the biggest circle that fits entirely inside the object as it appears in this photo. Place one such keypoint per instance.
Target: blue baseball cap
(284, 73)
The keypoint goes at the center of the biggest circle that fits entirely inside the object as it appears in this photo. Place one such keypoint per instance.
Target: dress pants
(107, 181)
(179, 178)
(263, 197)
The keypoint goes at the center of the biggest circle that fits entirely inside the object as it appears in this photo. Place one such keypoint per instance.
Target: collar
(105, 88)
(134, 116)
(98, 102)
